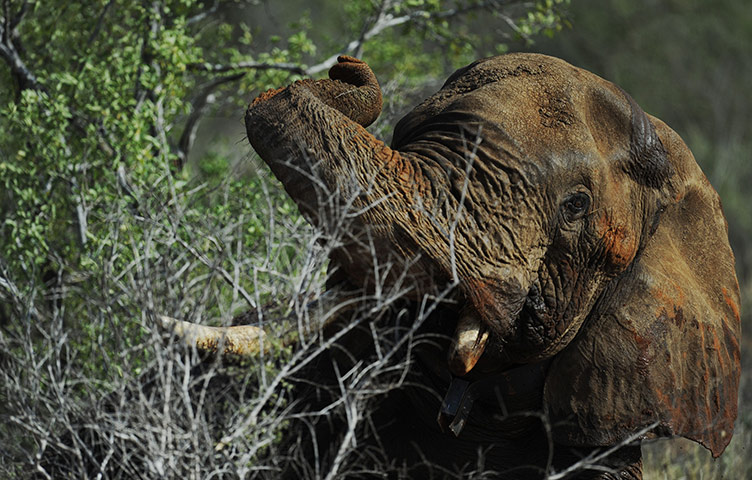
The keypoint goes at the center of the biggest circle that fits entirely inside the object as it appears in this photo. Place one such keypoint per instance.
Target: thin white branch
(199, 17)
(203, 99)
(386, 21)
(224, 273)
(591, 461)
(233, 67)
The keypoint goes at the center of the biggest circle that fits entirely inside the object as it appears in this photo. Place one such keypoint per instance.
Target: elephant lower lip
(470, 340)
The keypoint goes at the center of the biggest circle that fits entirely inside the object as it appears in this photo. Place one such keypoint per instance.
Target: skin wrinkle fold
(433, 149)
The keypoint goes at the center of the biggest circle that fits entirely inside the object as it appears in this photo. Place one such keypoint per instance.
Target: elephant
(587, 251)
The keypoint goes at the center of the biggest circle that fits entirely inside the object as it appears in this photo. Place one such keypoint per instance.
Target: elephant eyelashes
(576, 206)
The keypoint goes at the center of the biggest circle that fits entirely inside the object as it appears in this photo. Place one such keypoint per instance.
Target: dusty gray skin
(585, 240)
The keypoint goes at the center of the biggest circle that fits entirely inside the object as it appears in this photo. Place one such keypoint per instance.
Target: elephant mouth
(472, 338)
(472, 335)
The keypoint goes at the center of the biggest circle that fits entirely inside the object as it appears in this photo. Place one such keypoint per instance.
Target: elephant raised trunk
(418, 202)
(312, 136)
(279, 125)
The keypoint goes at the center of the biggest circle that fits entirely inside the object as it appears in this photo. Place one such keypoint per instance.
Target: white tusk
(470, 340)
(240, 340)
(250, 341)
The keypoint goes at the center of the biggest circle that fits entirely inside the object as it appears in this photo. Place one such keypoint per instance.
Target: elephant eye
(576, 205)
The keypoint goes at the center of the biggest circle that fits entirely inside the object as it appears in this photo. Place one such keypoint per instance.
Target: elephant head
(578, 229)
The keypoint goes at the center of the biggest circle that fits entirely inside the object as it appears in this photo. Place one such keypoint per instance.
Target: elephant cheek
(620, 243)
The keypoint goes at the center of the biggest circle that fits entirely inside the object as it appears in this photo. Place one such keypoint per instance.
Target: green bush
(109, 218)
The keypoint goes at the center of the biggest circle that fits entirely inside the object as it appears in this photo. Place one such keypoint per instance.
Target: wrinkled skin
(586, 243)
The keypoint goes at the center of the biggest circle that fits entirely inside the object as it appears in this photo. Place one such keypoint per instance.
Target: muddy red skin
(585, 235)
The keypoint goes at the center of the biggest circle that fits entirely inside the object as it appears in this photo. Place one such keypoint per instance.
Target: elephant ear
(664, 350)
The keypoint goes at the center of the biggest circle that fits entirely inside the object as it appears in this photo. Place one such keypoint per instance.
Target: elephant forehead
(538, 113)
(533, 113)
(515, 128)
(535, 87)
(508, 68)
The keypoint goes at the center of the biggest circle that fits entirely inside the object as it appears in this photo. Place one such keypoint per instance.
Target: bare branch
(81, 214)
(100, 22)
(511, 23)
(231, 67)
(386, 21)
(204, 98)
(18, 17)
(8, 52)
(10, 292)
(199, 17)
(5, 23)
(224, 273)
(591, 462)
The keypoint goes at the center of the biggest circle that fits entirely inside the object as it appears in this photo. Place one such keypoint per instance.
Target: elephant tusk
(250, 341)
(470, 340)
(241, 340)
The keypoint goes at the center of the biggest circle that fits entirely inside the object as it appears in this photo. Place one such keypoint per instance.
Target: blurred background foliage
(128, 189)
